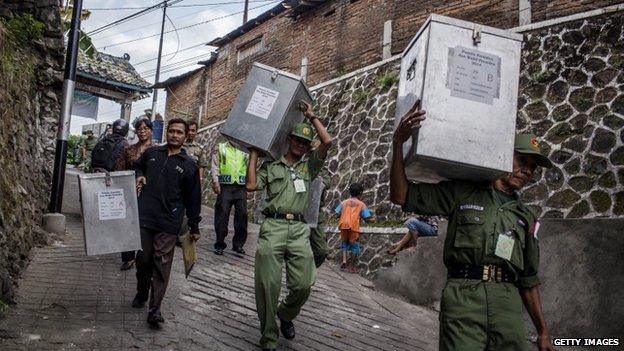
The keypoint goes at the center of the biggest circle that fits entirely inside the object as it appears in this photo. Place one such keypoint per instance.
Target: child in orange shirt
(351, 211)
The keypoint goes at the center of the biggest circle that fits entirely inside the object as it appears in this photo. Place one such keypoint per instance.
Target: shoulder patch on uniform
(464, 207)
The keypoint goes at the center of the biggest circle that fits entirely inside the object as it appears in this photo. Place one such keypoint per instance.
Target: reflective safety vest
(232, 165)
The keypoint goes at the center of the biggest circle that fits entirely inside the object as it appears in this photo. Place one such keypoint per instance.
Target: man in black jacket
(168, 184)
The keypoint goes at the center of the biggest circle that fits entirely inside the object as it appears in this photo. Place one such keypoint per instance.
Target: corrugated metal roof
(113, 70)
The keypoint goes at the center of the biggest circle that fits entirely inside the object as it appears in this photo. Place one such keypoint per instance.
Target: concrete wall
(581, 269)
(418, 275)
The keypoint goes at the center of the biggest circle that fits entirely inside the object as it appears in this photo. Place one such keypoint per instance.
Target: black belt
(288, 216)
(486, 273)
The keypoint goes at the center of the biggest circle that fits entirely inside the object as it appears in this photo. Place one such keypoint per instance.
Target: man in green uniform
(195, 150)
(283, 234)
(491, 249)
(87, 148)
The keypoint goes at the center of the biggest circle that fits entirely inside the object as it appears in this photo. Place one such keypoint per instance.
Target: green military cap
(304, 131)
(529, 145)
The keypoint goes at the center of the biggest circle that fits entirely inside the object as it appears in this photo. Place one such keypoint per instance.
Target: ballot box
(315, 195)
(266, 110)
(110, 215)
(466, 77)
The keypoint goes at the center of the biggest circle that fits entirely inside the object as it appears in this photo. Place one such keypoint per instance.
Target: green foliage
(360, 96)
(387, 80)
(24, 29)
(3, 307)
(17, 63)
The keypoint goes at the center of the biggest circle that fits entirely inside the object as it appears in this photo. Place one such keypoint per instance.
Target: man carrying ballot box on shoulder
(284, 237)
(491, 250)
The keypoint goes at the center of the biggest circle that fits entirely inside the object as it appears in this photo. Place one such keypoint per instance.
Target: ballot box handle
(411, 70)
(476, 34)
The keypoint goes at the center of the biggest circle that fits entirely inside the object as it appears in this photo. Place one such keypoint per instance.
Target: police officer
(229, 174)
(283, 235)
(491, 249)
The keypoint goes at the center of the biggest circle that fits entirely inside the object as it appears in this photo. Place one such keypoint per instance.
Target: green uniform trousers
(476, 315)
(318, 241)
(280, 241)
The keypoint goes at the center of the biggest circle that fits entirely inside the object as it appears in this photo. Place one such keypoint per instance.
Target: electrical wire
(177, 35)
(178, 6)
(170, 53)
(176, 18)
(191, 61)
(181, 28)
(133, 16)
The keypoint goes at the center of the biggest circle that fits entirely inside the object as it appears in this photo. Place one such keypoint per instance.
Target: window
(250, 48)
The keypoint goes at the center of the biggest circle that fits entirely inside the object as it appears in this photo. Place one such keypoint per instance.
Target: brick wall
(343, 35)
(183, 100)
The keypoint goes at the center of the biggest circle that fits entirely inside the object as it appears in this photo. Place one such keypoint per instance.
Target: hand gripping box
(266, 110)
(110, 215)
(466, 77)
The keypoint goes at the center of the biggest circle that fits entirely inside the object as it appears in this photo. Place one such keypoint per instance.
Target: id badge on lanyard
(298, 182)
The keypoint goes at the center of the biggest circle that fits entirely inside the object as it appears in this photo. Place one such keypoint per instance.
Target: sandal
(343, 266)
(353, 270)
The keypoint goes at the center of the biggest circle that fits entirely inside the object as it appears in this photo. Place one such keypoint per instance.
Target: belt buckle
(290, 216)
(487, 273)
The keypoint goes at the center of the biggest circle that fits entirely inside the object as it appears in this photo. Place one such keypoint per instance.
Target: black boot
(287, 328)
(154, 317)
(138, 302)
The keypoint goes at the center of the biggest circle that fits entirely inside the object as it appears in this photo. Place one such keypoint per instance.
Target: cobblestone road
(68, 301)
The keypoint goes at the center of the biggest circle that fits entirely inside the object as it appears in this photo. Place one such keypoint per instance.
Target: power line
(172, 69)
(178, 6)
(181, 28)
(170, 53)
(132, 16)
(175, 18)
(194, 58)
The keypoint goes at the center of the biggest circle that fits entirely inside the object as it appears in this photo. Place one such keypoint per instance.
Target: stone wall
(572, 95)
(31, 67)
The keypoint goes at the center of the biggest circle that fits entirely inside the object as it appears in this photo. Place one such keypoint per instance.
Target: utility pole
(246, 10)
(162, 32)
(62, 136)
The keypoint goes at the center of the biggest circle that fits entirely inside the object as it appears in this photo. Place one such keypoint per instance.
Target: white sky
(148, 48)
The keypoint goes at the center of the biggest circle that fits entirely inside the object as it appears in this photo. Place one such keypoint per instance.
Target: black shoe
(138, 302)
(154, 317)
(126, 265)
(239, 250)
(287, 328)
(218, 252)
